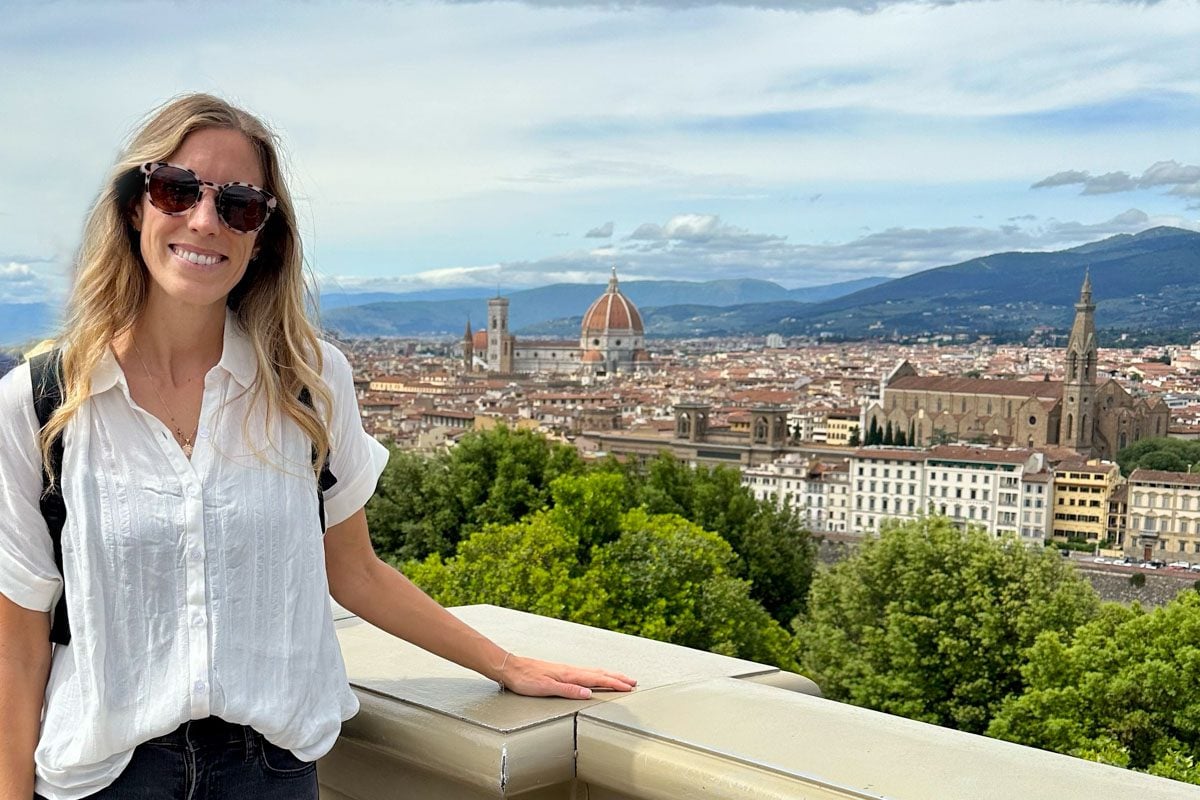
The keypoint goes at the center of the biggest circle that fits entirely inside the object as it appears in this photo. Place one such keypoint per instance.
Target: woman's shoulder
(17, 415)
(16, 389)
(334, 364)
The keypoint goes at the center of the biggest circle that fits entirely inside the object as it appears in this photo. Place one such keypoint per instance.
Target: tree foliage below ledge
(1125, 690)
(931, 623)
(425, 505)
(661, 577)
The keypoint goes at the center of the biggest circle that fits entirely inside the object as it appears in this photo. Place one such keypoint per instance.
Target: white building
(885, 483)
(817, 491)
(1037, 489)
(980, 486)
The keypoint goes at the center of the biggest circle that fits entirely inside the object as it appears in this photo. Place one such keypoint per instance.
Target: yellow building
(1082, 491)
(840, 427)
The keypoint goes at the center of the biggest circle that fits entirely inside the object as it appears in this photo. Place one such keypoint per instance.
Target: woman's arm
(24, 670)
(372, 590)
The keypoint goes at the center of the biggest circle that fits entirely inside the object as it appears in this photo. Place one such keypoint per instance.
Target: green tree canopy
(661, 577)
(425, 504)
(1172, 455)
(411, 513)
(589, 507)
(774, 550)
(1124, 690)
(529, 565)
(931, 623)
(500, 475)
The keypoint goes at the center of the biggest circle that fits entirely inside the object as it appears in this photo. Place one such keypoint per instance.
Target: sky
(514, 144)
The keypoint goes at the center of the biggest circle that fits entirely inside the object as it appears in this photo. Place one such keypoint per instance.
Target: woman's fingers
(542, 678)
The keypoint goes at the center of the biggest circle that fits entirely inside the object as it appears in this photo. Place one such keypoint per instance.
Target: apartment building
(817, 491)
(1082, 492)
(980, 486)
(1037, 490)
(885, 483)
(1163, 516)
(841, 427)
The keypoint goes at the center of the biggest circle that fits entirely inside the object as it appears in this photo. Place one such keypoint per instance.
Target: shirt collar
(237, 358)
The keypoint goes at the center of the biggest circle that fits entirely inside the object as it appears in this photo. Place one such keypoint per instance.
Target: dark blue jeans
(210, 759)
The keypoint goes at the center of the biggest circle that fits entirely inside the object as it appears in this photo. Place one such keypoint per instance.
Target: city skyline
(517, 144)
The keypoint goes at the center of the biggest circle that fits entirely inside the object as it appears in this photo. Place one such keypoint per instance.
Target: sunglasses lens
(173, 190)
(243, 209)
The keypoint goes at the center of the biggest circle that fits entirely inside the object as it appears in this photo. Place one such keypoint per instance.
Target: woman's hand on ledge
(529, 676)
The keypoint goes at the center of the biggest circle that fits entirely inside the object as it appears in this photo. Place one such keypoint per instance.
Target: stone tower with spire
(468, 350)
(1078, 425)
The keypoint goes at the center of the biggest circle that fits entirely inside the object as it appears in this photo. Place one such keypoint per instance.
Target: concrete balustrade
(700, 725)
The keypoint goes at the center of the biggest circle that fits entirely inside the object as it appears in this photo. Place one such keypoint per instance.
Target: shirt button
(200, 686)
(197, 620)
(197, 554)
(203, 433)
(193, 490)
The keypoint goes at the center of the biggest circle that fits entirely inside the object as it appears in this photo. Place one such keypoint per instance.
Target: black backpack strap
(326, 479)
(45, 370)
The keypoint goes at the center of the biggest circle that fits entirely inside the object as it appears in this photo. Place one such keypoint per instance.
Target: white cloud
(704, 248)
(602, 232)
(21, 283)
(1183, 178)
(450, 134)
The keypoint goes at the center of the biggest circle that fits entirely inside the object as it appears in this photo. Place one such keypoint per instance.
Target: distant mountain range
(1142, 284)
(1145, 286)
(531, 309)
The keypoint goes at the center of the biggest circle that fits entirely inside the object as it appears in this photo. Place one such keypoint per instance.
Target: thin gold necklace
(186, 442)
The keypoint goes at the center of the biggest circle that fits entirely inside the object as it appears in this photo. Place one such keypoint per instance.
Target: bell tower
(499, 341)
(1079, 387)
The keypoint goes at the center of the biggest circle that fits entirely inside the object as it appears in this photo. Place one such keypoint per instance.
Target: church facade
(612, 339)
(1092, 417)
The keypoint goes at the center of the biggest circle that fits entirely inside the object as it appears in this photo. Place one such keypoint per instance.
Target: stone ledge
(737, 739)
(699, 725)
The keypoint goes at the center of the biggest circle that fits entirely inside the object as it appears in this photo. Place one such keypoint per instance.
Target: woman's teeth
(196, 258)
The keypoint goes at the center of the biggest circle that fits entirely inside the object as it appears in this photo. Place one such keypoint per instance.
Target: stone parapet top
(699, 725)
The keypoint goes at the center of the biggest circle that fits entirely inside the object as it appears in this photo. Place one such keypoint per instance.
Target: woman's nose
(203, 217)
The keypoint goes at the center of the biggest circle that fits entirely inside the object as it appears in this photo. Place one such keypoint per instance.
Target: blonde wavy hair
(111, 281)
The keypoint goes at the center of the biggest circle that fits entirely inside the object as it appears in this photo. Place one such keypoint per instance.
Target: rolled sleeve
(28, 575)
(356, 459)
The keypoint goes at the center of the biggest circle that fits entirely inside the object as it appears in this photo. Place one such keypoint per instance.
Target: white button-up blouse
(194, 588)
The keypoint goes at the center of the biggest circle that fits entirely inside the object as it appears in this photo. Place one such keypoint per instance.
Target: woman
(197, 407)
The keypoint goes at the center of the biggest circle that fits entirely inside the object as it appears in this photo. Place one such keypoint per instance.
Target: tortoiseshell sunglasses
(174, 190)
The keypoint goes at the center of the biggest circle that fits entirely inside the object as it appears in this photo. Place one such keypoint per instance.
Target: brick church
(1095, 418)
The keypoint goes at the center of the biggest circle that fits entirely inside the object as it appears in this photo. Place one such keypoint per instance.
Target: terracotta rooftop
(1162, 476)
(988, 455)
(613, 312)
(891, 453)
(923, 383)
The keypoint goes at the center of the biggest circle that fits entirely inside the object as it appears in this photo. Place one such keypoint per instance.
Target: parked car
(1179, 565)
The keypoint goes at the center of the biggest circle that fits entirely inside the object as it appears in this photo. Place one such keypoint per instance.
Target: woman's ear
(135, 216)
